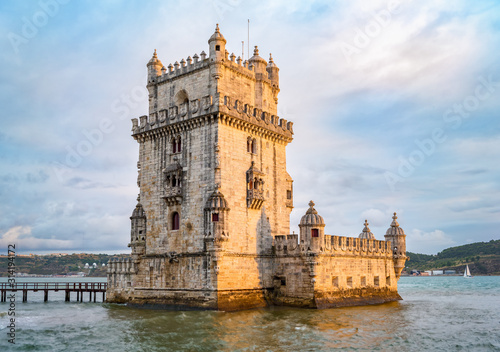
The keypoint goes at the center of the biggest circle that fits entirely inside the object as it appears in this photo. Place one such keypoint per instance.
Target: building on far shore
(211, 229)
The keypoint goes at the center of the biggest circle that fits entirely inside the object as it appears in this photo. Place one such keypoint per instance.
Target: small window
(340, 242)
(217, 48)
(283, 281)
(179, 144)
(254, 146)
(249, 145)
(215, 217)
(388, 281)
(175, 221)
(376, 281)
(349, 281)
(314, 233)
(174, 146)
(335, 281)
(288, 194)
(174, 181)
(347, 241)
(363, 281)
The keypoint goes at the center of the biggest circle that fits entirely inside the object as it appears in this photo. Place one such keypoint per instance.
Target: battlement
(334, 245)
(196, 108)
(195, 63)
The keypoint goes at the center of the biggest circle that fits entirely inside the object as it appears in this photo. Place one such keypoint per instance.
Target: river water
(437, 314)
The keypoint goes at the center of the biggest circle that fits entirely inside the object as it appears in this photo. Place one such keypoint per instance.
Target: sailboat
(467, 271)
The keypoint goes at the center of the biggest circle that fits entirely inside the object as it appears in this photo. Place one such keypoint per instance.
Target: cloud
(427, 242)
(22, 238)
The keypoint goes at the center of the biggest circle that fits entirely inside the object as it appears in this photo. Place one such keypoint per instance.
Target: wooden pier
(92, 288)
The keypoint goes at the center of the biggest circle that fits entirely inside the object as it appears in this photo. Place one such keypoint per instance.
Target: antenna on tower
(248, 39)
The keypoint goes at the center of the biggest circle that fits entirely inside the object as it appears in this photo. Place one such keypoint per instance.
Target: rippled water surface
(437, 314)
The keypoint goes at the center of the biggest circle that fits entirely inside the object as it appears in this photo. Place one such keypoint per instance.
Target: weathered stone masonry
(211, 227)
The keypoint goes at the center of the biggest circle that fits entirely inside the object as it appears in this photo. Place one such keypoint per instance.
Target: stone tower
(214, 190)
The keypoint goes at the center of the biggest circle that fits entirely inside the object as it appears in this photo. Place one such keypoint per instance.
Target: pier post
(66, 297)
(95, 293)
(90, 296)
(104, 296)
(25, 295)
(78, 296)
(45, 295)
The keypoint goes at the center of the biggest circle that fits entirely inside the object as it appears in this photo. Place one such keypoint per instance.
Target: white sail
(467, 272)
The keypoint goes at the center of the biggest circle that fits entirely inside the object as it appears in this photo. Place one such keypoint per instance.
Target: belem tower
(211, 229)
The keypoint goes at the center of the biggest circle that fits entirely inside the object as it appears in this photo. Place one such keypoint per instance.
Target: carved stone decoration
(183, 109)
(162, 115)
(207, 102)
(227, 102)
(172, 112)
(172, 182)
(194, 106)
(255, 188)
(216, 214)
(217, 156)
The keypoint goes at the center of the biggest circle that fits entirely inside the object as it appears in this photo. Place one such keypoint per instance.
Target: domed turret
(217, 202)
(312, 218)
(397, 237)
(217, 44)
(154, 67)
(258, 62)
(312, 228)
(216, 213)
(138, 230)
(366, 232)
(273, 71)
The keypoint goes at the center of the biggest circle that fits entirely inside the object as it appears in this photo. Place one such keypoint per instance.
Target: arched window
(174, 146)
(174, 181)
(175, 221)
(250, 184)
(254, 146)
(249, 145)
(179, 144)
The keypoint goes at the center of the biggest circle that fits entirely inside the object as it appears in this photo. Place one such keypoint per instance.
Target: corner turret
(258, 62)
(312, 229)
(138, 230)
(217, 45)
(273, 72)
(154, 68)
(397, 237)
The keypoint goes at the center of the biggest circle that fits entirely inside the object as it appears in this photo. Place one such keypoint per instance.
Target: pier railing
(67, 287)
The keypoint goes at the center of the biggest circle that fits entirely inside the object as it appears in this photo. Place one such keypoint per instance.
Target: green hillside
(483, 258)
(58, 265)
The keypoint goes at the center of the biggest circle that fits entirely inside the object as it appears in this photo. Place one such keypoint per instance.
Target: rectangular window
(288, 194)
(314, 233)
(215, 217)
(349, 281)
(388, 281)
(376, 281)
(363, 281)
(283, 281)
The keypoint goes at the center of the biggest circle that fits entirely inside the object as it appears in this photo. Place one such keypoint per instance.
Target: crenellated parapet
(250, 116)
(334, 245)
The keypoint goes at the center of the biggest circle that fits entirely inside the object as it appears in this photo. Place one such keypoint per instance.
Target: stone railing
(336, 245)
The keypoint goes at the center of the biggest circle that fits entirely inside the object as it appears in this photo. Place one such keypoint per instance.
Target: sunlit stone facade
(211, 227)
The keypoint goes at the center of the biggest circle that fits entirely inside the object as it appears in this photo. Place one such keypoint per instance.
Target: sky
(395, 107)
